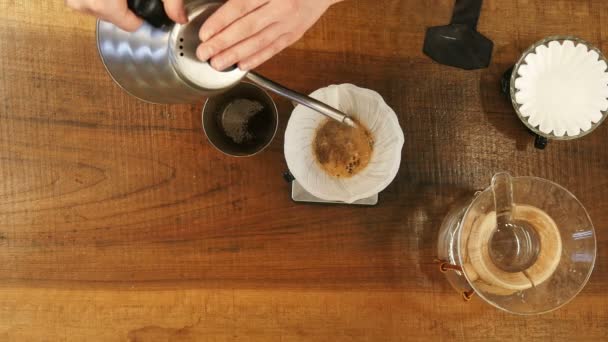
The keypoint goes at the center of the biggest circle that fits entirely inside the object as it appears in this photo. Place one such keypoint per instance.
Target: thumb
(175, 10)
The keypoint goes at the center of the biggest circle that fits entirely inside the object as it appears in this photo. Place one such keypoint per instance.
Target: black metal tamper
(459, 44)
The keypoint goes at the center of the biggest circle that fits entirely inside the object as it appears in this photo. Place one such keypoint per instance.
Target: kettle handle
(152, 11)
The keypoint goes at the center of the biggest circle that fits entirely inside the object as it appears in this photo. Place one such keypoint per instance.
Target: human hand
(118, 13)
(249, 32)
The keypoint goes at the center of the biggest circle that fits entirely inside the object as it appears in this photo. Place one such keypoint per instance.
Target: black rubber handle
(152, 11)
(288, 177)
(540, 142)
(505, 83)
(467, 12)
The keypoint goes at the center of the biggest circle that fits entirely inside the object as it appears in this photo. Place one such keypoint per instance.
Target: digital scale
(299, 194)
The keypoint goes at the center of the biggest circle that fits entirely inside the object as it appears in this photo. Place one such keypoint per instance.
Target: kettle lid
(183, 42)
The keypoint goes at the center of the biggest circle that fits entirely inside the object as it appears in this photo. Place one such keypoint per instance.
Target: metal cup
(242, 121)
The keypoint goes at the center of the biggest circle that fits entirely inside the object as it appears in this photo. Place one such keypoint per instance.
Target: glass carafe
(525, 245)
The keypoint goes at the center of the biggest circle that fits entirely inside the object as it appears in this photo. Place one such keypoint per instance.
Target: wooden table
(118, 221)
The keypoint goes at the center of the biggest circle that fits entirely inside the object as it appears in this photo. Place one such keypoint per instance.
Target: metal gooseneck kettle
(158, 63)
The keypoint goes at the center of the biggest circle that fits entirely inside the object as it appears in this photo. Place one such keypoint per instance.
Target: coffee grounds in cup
(237, 119)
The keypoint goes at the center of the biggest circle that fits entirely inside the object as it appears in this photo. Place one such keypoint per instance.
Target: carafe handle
(502, 189)
(152, 11)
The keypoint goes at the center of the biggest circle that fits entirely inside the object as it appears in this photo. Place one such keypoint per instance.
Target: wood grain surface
(119, 221)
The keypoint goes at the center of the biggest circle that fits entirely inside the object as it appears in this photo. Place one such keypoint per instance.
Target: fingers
(74, 4)
(126, 20)
(242, 29)
(246, 48)
(226, 15)
(175, 10)
(115, 12)
(260, 57)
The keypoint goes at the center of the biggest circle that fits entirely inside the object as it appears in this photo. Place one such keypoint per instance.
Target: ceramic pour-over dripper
(525, 245)
(369, 109)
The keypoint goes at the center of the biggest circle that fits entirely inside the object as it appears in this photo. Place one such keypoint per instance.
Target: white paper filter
(368, 107)
(562, 88)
